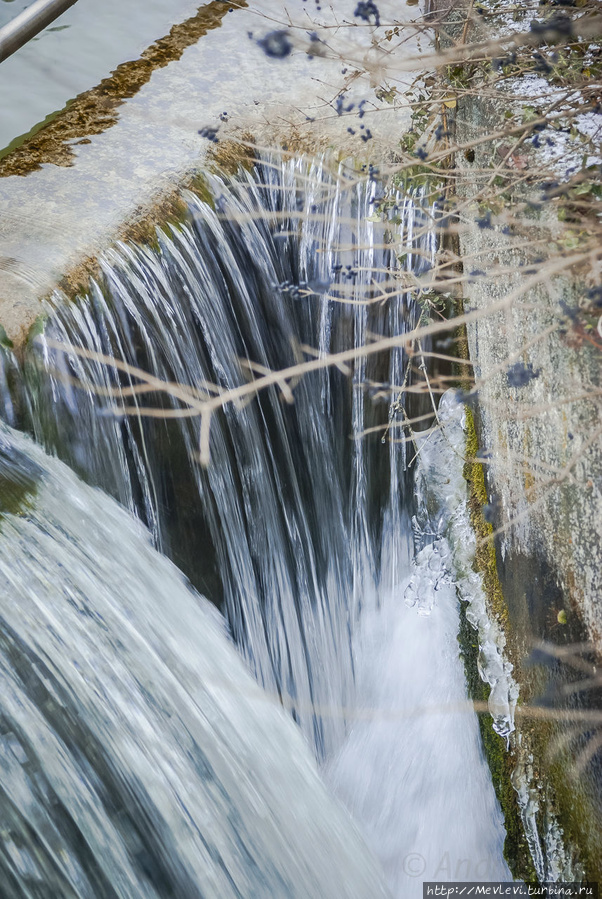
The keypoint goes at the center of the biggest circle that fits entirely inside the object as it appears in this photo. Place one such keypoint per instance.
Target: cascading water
(434, 815)
(284, 507)
(137, 756)
(298, 529)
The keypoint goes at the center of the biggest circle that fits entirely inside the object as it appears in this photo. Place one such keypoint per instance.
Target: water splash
(300, 533)
(434, 815)
(137, 755)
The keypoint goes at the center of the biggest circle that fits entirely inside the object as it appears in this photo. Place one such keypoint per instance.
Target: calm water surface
(79, 49)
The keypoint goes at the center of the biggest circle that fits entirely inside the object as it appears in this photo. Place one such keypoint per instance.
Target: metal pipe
(29, 23)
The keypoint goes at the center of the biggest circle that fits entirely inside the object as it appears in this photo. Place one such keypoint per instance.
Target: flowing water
(285, 509)
(138, 757)
(433, 814)
(299, 529)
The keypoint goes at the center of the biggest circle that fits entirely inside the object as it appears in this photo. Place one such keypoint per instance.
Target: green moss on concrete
(485, 562)
(571, 798)
(577, 814)
(501, 761)
(563, 794)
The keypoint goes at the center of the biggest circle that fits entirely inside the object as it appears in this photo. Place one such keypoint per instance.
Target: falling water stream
(300, 531)
(138, 757)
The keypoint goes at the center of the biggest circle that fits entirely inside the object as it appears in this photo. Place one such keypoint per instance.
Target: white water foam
(412, 770)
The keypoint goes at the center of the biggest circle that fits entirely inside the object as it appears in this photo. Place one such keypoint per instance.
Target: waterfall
(282, 529)
(300, 527)
(434, 816)
(137, 756)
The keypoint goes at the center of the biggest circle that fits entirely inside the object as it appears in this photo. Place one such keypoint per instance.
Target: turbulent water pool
(138, 756)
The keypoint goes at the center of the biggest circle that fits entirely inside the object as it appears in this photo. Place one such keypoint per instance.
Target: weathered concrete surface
(545, 437)
(541, 446)
(56, 217)
(544, 467)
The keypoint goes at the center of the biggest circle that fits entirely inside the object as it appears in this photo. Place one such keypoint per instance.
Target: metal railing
(29, 23)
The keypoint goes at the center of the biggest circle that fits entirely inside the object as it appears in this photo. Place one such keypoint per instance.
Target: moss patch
(563, 795)
(501, 761)
(578, 814)
(485, 561)
(229, 155)
(96, 110)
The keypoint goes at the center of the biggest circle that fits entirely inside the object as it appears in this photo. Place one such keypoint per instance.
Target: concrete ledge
(118, 149)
